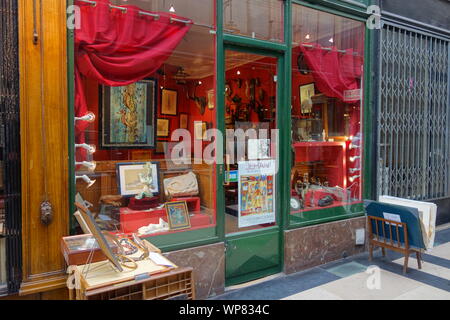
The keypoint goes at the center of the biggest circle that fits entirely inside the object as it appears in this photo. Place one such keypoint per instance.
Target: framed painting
(160, 147)
(163, 126)
(211, 99)
(306, 92)
(183, 120)
(169, 102)
(199, 130)
(177, 215)
(128, 115)
(131, 174)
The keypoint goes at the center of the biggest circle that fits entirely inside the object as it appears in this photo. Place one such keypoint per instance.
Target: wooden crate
(177, 284)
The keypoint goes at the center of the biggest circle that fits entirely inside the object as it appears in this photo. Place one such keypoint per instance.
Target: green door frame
(233, 43)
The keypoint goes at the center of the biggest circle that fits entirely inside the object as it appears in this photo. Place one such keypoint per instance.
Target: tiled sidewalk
(347, 279)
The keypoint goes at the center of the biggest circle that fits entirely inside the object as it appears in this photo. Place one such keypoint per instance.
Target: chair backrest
(402, 214)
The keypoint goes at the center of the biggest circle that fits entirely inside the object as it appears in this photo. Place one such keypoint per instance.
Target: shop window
(144, 77)
(326, 114)
(258, 19)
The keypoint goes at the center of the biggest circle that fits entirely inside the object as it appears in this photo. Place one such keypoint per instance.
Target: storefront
(232, 135)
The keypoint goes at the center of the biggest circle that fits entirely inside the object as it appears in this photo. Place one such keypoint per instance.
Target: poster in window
(128, 115)
(256, 192)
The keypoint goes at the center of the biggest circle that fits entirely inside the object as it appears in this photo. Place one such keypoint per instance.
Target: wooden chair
(387, 235)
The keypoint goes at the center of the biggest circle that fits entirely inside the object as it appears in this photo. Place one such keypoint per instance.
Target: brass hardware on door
(46, 213)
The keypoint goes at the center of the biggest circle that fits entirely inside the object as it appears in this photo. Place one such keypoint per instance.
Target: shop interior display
(327, 65)
(128, 108)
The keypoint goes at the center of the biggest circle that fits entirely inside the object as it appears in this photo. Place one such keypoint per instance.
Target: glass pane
(151, 91)
(259, 19)
(327, 72)
(250, 149)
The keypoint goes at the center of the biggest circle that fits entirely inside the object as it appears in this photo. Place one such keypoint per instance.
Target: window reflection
(259, 19)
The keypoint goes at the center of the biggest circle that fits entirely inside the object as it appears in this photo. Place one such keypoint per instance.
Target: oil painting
(128, 115)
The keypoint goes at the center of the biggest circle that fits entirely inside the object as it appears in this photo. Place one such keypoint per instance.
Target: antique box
(76, 249)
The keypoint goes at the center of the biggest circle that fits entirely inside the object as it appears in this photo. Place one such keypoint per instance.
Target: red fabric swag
(333, 72)
(119, 48)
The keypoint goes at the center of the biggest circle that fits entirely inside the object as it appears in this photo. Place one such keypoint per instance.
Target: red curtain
(333, 72)
(117, 48)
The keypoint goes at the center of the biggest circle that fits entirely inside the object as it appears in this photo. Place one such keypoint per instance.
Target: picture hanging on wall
(128, 115)
(169, 102)
(306, 92)
(160, 147)
(183, 121)
(162, 128)
(211, 99)
(200, 130)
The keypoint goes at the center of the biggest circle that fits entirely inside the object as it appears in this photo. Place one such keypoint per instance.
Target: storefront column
(44, 141)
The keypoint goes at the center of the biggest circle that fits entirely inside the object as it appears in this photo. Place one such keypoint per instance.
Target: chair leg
(419, 259)
(405, 266)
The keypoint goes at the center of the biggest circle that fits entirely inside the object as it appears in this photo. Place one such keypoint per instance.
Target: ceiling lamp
(172, 8)
(180, 76)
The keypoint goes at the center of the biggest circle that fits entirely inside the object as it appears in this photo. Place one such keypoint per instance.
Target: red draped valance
(117, 47)
(334, 72)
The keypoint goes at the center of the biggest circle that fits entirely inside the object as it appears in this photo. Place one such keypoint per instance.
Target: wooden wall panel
(44, 141)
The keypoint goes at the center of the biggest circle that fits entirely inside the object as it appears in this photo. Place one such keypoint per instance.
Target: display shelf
(132, 220)
(334, 205)
(304, 144)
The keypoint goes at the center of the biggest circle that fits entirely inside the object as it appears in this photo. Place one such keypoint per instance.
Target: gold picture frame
(177, 215)
(211, 99)
(200, 130)
(162, 128)
(169, 102)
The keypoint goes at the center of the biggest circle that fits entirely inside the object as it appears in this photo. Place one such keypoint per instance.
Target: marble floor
(355, 278)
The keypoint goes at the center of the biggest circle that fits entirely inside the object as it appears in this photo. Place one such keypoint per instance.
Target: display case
(327, 103)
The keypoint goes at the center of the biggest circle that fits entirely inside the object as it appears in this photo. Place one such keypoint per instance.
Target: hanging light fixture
(89, 147)
(308, 36)
(353, 178)
(172, 8)
(86, 179)
(89, 117)
(90, 165)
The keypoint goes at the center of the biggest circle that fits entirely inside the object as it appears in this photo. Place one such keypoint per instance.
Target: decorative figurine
(146, 178)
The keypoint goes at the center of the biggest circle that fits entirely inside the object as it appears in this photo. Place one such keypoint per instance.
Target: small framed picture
(211, 99)
(199, 130)
(162, 128)
(160, 147)
(169, 102)
(131, 174)
(306, 92)
(177, 215)
(183, 121)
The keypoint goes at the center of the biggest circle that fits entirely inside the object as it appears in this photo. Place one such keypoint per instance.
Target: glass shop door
(251, 179)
